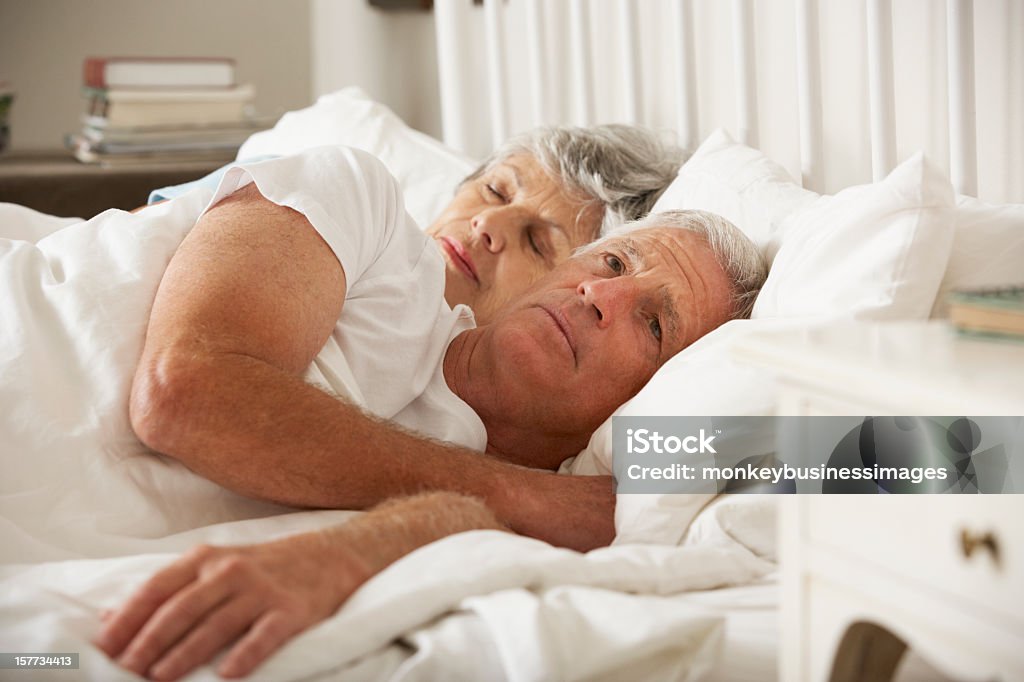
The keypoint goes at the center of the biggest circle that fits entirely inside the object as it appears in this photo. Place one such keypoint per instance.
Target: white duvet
(74, 301)
(86, 513)
(479, 605)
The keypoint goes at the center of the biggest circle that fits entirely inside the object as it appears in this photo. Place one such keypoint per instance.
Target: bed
(688, 590)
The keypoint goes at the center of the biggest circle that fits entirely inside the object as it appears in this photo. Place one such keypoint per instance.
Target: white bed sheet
(479, 605)
(542, 612)
(460, 646)
(750, 643)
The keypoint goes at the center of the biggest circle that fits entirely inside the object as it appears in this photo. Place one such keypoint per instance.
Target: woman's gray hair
(735, 252)
(623, 168)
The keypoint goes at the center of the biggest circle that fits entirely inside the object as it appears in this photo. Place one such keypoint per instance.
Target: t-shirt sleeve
(347, 195)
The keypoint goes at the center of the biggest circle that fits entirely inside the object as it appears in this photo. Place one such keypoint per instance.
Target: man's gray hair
(735, 252)
(623, 168)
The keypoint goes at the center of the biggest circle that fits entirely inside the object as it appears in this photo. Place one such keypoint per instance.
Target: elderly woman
(533, 201)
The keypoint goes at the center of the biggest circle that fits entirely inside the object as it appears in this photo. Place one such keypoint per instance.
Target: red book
(159, 72)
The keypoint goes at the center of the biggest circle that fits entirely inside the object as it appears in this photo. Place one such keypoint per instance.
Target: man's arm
(244, 306)
(262, 595)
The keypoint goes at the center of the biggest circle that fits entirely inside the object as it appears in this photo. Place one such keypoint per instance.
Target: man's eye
(615, 264)
(655, 328)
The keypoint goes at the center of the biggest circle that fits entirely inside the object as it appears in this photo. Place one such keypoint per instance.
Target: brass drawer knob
(972, 542)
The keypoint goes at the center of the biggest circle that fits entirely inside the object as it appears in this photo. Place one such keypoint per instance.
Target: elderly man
(541, 377)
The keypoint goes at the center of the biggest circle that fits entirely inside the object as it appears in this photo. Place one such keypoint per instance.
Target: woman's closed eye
(495, 192)
(535, 243)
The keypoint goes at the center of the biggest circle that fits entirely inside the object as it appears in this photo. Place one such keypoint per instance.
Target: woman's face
(505, 229)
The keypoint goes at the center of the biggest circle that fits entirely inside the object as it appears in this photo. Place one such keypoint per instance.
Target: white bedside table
(944, 574)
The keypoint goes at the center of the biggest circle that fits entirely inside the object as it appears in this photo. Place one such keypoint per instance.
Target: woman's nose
(492, 228)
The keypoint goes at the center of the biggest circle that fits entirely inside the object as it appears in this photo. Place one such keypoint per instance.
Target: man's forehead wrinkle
(695, 278)
(680, 250)
(682, 258)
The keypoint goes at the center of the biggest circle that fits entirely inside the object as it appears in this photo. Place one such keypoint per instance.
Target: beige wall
(43, 43)
(389, 54)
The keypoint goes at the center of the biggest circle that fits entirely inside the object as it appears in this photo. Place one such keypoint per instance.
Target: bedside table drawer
(969, 547)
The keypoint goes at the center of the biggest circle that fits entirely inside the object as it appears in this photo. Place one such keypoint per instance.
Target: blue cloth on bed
(211, 181)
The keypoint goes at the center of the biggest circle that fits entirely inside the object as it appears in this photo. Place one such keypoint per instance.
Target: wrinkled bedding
(472, 603)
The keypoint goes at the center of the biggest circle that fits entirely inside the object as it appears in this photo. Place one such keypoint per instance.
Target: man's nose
(608, 299)
(493, 227)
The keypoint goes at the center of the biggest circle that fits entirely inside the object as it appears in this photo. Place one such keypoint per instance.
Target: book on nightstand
(989, 312)
(153, 106)
(164, 109)
(158, 72)
(132, 156)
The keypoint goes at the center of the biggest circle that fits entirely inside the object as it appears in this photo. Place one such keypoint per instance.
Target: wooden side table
(55, 183)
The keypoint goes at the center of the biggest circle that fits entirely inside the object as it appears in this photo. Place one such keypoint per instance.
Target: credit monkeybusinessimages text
(784, 472)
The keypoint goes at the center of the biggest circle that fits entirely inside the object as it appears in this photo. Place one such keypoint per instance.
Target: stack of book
(989, 312)
(173, 109)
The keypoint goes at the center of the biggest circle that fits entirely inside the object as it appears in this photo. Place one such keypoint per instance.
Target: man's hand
(261, 595)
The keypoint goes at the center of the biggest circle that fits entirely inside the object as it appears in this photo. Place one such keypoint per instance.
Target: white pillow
(427, 171)
(872, 251)
(988, 248)
(741, 184)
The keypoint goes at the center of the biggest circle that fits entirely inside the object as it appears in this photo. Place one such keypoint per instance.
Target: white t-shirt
(386, 351)
(75, 298)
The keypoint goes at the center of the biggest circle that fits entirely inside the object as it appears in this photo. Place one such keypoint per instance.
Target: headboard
(838, 92)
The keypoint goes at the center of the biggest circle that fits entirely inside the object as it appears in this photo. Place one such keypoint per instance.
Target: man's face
(589, 335)
(505, 230)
